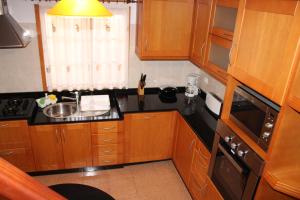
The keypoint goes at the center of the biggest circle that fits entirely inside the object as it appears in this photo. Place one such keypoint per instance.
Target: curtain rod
(108, 1)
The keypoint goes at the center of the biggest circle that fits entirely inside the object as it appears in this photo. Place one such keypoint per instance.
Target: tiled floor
(151, 181)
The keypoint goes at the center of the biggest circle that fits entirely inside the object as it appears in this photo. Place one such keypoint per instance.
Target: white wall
(20, 68)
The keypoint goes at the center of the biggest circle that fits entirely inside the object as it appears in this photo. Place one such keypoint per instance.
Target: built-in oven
(254, 114)
(235, 168)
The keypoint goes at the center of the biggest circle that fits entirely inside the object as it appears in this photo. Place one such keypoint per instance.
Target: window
(86, 53)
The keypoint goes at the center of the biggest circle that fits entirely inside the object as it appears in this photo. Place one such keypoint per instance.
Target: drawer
(21, 158)
(14, 135)
(107, 160)
(105, 127)
(110, 149)
(107, 138)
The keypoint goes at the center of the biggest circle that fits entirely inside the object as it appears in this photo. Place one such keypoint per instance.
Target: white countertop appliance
(191, 88)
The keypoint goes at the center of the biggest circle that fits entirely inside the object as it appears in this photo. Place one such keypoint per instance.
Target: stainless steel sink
(60, 110)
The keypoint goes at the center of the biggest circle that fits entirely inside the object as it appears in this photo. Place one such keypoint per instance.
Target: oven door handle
(233, 162)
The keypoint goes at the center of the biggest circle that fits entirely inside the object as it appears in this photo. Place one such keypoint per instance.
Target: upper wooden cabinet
(164, 29)
(264, 45)
(61, 146)
(200, 31)
(149, 136)
(15, 145)
(184, 148)
(214, 23)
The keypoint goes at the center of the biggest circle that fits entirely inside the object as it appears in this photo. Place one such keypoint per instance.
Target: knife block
(140, 90)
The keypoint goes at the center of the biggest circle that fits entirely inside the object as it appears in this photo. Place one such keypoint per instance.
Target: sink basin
(60, 110)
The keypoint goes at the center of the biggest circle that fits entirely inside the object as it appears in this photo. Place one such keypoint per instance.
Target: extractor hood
(12, 35)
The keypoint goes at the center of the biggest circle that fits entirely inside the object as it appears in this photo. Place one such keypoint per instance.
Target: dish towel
(95, 102)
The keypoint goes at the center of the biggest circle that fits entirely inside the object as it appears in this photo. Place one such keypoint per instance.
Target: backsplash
(20, 68)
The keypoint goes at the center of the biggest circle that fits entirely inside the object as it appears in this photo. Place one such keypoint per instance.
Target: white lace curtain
(86, 53)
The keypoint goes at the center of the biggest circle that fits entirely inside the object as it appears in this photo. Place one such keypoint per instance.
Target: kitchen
(211, 36)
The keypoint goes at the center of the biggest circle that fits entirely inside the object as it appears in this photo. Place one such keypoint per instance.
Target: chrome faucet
(77, 99)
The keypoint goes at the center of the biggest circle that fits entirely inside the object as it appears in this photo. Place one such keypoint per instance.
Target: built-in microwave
(254, 114)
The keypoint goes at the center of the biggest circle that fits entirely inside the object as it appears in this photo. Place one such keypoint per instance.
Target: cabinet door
(183, 153)
(265, 44)
(201, 30)
(211, 192)
(294, 98)
(76, 140)
(149, 136)
(14, 134)
(165, 28)
(47, 147)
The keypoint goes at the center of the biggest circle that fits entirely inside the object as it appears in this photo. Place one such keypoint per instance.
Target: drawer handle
(7, 153)
(109, 128)
(3, 125)
(107, 161)
(108, 140)
(107, 151)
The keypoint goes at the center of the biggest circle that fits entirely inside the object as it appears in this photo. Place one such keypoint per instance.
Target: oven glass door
(248, 113)
(229, 174)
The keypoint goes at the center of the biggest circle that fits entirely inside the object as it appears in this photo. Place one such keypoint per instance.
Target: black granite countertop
(194, 111)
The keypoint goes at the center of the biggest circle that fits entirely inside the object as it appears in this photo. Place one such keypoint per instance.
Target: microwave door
(248, 115)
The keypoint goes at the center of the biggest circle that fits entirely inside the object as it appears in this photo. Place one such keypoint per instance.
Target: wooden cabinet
(184, 147)
(200, 31)
(212, 35)
(76, 145)
(61, 146)
(107, 143)
(199, 169)
(294, 96)
(164, 29)
(265, 191)
(211, 192)
(265, 44)
(15, 145)
(47, 147)
(223, 18)
(149, 136)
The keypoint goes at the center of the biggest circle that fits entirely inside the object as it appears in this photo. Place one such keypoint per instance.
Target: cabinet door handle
(63, 135)
(191, 145)
(57, 135)
(146, 45)
(108, 140)
(109, 128)
(7, 153)
(201, 50)
(230, 54)
(3, 125)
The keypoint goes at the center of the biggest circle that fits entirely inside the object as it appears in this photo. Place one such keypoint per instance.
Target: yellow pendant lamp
(84, 8)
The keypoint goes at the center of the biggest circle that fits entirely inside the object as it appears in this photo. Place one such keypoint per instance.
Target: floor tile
(151, 181)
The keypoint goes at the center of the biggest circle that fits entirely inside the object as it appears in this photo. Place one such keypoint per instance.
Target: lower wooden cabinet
(265, 191)
(197, 183)
(77, 145)
(211, 192)
(149, 136)
(107, 143)
(61, 146)
(184, 147)
(15, 145)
